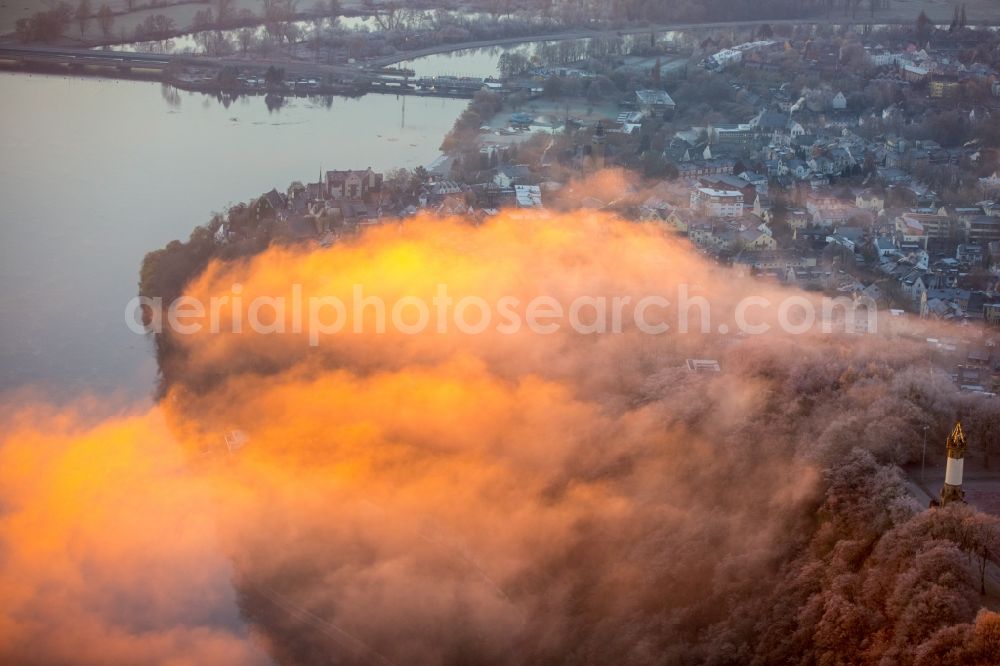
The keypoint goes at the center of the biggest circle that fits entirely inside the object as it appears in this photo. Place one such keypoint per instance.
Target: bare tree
(158, 26)
(498, 8)
(245, 39)
(394, 17)
(224, 10)
(203, 20)
(83, 15)
(985, 538)
(105, 20)
(924, 28)
(277, 18)
(318, 10)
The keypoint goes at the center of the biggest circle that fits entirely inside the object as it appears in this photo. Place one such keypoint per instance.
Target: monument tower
(952, 489)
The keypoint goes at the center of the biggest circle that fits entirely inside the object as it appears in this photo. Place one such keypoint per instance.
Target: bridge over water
(79, 58)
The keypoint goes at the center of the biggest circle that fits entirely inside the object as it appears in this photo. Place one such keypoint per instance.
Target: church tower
(952, 489)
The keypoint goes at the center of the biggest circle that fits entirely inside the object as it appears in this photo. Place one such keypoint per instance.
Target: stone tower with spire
(957, 446)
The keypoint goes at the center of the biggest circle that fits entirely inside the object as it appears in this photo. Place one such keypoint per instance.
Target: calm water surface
(94, 174)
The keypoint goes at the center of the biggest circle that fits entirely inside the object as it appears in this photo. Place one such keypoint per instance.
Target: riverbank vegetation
(482, 107)
(224, 28)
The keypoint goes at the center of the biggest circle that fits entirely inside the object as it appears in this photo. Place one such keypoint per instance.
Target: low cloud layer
(446, 498)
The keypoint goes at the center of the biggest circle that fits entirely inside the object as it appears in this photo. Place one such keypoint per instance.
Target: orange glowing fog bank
(434, 498)
(108, 551)
(515, 256)
(435, 502)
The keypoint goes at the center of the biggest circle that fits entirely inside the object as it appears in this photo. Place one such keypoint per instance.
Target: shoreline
(371, 66)
(9, 39)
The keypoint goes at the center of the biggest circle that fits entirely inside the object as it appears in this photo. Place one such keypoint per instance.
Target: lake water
(96, 173)
(482, 62)
(194, 42)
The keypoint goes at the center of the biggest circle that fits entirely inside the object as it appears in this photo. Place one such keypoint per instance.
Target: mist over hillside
(501, 496)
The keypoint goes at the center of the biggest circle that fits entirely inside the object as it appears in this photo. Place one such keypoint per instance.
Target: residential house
(649, 213)
(982, 229)
(811, 278)
(274, 201)
(754, 239)
(991, 314)
(733, 134)
(993, 253)
(779, 127)
(821, 164)
(880, 57)
(915, 283)
(773, 260)
(944, 86)
(892, 176)
(970, 254)
(357, 213)
(731, 183)
(832, 216)
(680, 220)
(440, 190)
(758, 180)
(798, 218)
(797, 168)
(870, 200)
(910, 231)
(352, 185)
(710, 235)
(763, 208)
(841, 158)
(705, 168)
(452, 205)
(937, 226)
(990, 184)
(913, 73)
(508, 175)
(855, 235)
(885, 247)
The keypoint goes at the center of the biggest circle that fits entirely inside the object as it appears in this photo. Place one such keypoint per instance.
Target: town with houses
(858, 164)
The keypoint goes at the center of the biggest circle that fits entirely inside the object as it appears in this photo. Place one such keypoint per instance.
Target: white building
(883, 58)
(727, 57)
(528, 196)
(717, 203)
